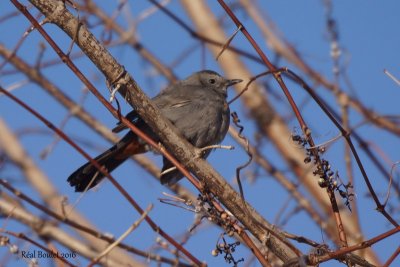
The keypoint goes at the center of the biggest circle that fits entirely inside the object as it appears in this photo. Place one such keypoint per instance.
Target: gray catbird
(196, 106)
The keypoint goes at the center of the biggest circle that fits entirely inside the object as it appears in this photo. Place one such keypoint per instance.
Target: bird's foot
(168, 170)
(200, 151)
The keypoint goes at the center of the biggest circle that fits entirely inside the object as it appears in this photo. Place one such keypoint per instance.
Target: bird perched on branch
(196, 106)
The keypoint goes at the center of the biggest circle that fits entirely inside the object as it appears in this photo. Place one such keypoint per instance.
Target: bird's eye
(212, 81)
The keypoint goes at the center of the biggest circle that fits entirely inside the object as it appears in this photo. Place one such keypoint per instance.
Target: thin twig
(123, 236)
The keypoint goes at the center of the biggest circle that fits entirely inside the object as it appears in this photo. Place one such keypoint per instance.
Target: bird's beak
(233, 82)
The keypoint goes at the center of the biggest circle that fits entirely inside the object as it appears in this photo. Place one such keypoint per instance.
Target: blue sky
(368, 36)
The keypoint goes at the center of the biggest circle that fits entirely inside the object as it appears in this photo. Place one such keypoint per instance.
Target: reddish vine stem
(304, 127)
(364, 244)
(391, 259)
(333, 117)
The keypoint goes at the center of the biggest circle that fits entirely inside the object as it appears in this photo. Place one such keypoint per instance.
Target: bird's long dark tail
(88, 176)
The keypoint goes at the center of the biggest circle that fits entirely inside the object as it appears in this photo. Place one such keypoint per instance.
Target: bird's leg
(200, 151)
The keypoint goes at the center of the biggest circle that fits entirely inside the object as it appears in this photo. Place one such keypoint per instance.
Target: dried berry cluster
(5, 242)
(327, 178)
(222, 219)
(227, 249)
(225, 221)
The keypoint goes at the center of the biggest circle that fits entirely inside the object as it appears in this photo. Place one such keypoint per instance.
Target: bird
(197, 106)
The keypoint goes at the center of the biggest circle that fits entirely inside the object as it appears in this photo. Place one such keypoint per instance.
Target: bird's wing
(166, 100)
